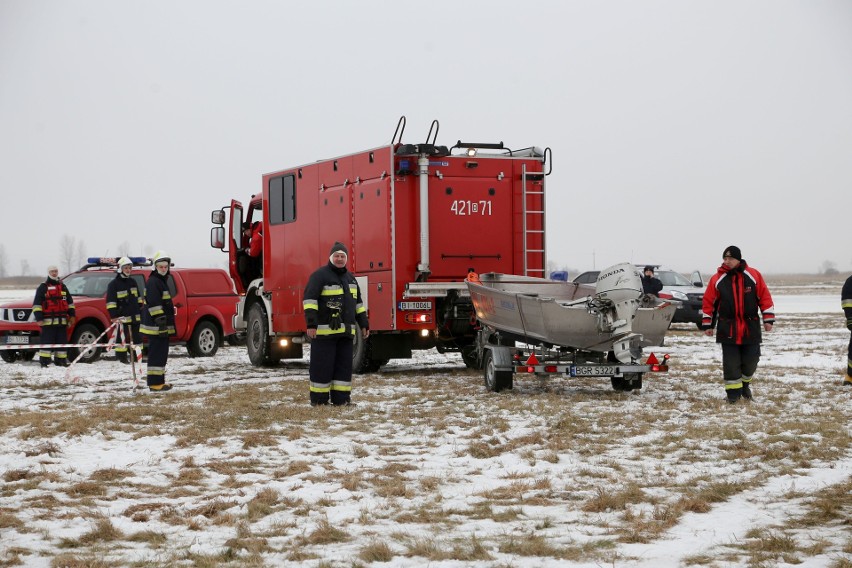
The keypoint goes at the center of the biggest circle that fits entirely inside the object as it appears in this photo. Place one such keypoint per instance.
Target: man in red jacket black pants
(732, 300)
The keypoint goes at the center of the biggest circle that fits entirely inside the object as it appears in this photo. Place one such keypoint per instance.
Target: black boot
(747, 391)
(734, 395)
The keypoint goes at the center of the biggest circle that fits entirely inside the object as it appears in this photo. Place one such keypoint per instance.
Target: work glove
(335, 321)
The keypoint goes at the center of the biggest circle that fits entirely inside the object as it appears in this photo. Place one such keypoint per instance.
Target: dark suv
(675, 287)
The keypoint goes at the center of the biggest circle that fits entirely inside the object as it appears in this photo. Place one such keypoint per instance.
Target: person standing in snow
(333, 307)
(124, 304)
(732, 300)
(158, 321)
(650, 283)
(53, 309)
(846, 304)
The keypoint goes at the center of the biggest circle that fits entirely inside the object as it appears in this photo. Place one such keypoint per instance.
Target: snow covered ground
(429, 468)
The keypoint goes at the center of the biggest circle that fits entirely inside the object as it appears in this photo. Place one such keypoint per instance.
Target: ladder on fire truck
(533, 217)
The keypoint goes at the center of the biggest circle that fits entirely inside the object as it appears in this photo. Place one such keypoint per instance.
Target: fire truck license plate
(17, 339)
(415, 305)
(591, 371)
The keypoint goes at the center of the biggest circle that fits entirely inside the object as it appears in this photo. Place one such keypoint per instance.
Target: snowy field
(233, 468)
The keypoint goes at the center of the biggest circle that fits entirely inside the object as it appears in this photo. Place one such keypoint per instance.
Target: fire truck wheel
(360, 352)
(204, 341)
(257, 338)
(495, 380)
(8, 356)
(85, 333)
(471, 361)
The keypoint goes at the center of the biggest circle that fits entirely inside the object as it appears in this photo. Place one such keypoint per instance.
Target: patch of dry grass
(626, 467)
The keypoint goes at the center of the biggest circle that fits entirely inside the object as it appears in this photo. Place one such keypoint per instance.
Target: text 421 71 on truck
(205, 302)
(416, 218)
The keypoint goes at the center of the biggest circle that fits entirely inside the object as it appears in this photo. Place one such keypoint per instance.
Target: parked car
(205, 302)
(676, 286)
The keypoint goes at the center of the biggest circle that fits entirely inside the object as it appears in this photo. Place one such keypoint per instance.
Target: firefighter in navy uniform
(158, 322)
(333, 306)
(53, 309)
(124, 304)
(846, 304)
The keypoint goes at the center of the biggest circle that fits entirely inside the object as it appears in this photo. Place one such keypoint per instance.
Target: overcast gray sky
(677, 128)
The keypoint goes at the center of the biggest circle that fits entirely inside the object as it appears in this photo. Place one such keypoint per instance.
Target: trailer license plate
(17, 339)
(591, 371)
(415, 305)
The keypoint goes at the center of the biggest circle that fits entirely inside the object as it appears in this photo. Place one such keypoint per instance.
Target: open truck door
(230, 241)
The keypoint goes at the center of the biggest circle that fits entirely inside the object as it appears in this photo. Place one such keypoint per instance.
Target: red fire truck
(416, 218)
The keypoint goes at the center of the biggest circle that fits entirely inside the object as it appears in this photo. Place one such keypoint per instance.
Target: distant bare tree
(2, 261)
(123, 249)
(80, 257)
(829, 268)
(67, 247)
(25, 268)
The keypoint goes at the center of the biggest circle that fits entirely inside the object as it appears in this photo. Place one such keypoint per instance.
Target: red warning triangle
(533, 360)
(652, 360)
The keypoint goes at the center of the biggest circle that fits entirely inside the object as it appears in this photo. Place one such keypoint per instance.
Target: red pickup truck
(205, 302)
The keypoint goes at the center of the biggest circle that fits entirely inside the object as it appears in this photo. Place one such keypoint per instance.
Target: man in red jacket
(732, 300)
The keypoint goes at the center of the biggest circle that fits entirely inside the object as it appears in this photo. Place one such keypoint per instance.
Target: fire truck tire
(85, 333)
(8, 356)
(495, 380)
(257, 338)
(471, 361)
(205, 340)
(360, 352)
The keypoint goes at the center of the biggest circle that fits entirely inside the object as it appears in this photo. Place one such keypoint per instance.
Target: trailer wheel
(633, 381)
(204, 341)
(85, 333)
(495, 380)
(257, 338)
(629, 382)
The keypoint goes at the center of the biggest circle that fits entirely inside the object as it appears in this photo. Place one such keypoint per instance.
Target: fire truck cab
(416, 218)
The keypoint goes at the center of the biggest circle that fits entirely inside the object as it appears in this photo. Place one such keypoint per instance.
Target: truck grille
(16, 315)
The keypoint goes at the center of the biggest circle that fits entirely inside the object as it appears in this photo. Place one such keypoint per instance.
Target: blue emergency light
(113, 260)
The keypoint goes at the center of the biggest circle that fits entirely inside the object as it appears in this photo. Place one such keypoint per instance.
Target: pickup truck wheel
(257, 338)
(204, 341)
(85, 333)
(495, 380)
(8, 356)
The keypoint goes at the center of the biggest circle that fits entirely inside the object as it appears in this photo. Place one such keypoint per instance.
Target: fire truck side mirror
(218, 217)
(217, 237)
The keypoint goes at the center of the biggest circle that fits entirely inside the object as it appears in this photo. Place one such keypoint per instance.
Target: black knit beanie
(339, 247)
(733, 252)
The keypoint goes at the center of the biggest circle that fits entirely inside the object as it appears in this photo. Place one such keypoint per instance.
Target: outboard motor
(619, 288)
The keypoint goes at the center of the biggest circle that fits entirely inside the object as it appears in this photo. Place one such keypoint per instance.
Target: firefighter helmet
(161, 256)
(124, 261)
